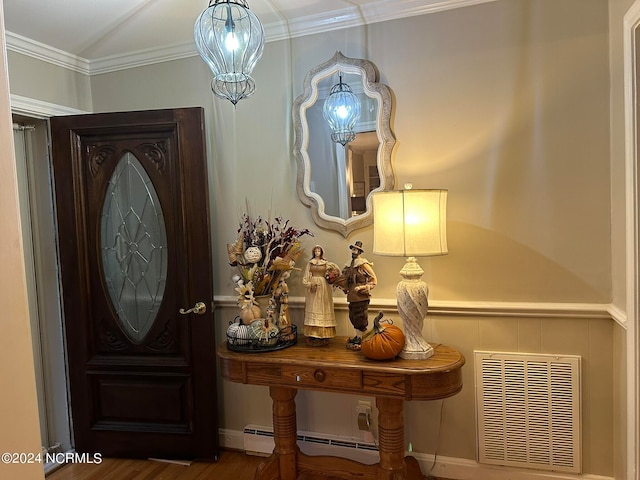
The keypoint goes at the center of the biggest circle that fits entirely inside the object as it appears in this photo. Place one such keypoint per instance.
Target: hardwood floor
(232, 465)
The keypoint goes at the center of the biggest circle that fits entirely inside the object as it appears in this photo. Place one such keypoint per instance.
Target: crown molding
(40, 51)
(140, 58)
(380, 11)
(348, 17)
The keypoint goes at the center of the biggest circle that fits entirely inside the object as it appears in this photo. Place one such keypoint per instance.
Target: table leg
(391, 442)
(285, 430)
(282, 465)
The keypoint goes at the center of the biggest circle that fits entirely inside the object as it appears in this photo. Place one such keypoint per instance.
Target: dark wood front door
(134, 240)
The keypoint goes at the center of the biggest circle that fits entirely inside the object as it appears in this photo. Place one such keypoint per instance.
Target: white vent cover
(528, 410)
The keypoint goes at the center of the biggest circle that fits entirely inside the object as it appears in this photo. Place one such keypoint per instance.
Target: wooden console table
(333, 368)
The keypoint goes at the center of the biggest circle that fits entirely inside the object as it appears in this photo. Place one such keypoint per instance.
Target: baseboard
(464, 469)
(231, 439)
(258, 440)
(445, 467)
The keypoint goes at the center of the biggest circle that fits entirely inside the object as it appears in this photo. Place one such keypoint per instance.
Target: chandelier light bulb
(231, 42)
(342, 111)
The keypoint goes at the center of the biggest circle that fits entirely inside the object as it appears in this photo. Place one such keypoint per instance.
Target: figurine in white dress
(319, 316)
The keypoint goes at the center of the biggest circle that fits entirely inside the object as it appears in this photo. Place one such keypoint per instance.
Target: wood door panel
(137, 394)
(146, 402)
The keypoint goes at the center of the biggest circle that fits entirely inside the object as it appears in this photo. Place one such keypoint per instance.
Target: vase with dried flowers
(265, 253)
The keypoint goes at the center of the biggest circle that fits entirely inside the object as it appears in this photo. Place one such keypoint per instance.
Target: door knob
(199, 309)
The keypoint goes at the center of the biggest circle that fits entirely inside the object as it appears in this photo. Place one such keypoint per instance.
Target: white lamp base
(423, 353)
(412, 297)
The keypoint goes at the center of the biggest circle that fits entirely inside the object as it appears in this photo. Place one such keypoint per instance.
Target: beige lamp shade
(410, 223)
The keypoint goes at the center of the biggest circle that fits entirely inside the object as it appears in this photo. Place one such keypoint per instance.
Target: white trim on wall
(40, 51)
(446, 467)
(619, 315)
(39, 109)
(631, 22)
(587, 311)
(351, 16)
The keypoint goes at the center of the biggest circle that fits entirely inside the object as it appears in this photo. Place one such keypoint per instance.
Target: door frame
(43, 286)
(631, 37)
(53, 355)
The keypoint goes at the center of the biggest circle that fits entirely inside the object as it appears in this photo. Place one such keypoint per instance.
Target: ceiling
(95, 36)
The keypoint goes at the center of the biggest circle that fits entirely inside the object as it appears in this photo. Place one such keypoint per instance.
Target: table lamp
(411, 223)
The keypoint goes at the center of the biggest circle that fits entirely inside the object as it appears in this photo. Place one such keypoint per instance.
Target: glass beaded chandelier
(230, 39)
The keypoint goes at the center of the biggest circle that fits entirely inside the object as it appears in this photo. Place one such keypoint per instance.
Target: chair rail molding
(475, 309)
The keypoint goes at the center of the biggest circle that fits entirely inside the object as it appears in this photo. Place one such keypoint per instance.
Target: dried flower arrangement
(265, 252)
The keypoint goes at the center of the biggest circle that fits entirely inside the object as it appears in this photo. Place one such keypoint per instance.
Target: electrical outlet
(363, 416)
(363, 407)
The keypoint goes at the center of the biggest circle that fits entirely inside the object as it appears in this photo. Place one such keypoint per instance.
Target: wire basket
(285, 337)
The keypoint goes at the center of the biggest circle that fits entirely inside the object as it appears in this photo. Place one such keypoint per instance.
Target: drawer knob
(319, 375)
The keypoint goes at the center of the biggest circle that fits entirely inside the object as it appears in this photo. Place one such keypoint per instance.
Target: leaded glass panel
(134, 247)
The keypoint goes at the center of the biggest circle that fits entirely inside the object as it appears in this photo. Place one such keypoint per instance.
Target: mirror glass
(335, 180)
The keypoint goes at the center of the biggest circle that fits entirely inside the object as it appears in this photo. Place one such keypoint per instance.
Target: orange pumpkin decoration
(383, 342)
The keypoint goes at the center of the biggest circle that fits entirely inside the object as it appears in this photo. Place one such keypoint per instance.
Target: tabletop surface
(336, 355)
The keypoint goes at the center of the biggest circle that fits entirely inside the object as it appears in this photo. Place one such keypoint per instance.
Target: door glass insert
(134, 247)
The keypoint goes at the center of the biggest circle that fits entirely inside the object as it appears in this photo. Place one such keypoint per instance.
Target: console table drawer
(327, 377)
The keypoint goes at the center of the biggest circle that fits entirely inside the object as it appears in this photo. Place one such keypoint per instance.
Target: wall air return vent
(528, 410)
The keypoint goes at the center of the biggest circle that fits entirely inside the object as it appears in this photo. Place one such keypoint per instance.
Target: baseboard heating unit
(259, 441)
(528, 410)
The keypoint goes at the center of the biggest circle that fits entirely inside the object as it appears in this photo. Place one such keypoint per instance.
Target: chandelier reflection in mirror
(342, 111)
(230, 39)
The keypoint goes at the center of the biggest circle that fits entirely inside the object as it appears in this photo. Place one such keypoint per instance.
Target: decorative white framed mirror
(336, 180)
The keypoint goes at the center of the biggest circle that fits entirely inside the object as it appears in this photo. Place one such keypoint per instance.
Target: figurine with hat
(357, 281)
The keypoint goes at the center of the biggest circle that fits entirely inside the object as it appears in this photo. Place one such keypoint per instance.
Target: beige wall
(49, 83)
(506, 104)
(19, 428)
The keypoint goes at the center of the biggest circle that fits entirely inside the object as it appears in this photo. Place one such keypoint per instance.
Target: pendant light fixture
(230, 39)
(342, 110)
